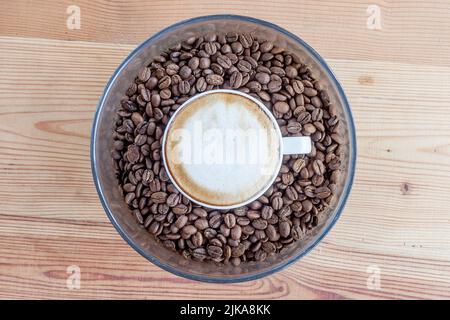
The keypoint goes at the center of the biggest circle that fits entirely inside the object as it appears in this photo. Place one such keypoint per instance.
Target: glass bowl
(102, 144)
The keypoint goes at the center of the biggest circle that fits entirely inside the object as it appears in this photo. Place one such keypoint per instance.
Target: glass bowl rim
(347, 186)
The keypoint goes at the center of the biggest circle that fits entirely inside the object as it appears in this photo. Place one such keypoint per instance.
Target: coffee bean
(271, 233)
(153, 228)
(224, 61)
(238, 250)
(133, 153)
(181, 222)
(294, 127)
(214, 79)
(254, 86)
(201, 84)
(236, 80)
(215, 221)
(193, 63)
(266, 212)
(199, 254)
(201, 224)
(323, 192)
(197, 239)
(310, 92)
(262, 77)
(287, 178)
(185, 72)
(188, 231)
(164, 83)
(277, 203)
(144, 74)
(243, 221)
(204, 63)
(246, 40)
(180, 209)
(269, 247)
(215, 251)
(158, 197)
(291, 72)
(229, 220)
(236, 232)
(281, 107)
(318, 167)
(259, 224)
(244, 66)
(266, 46)
(200, 212)
(307, 205)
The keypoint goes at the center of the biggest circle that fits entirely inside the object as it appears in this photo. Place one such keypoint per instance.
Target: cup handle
(297, 145)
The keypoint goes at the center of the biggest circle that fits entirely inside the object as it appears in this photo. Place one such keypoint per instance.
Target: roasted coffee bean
(253, 215)
(199, 254)
(277, 203)
(243, 221)
(259, 224)
(181, 221)
(285, 229)
(238, 250)
(224, 61)
(236, 80)
(180, 209)
(323, 192)
(215, 221)
(281, 107)
(188, 231)
(144, 74)
(214, 251)
(236, 232)
(269, 247)
(214, 79)
(272, 233)
(266, 212)
(197, 239)
(294, 127)
(201, 224)
(262, 77)
(318, 167)
(229, 220)
(158, 197)
(244, 66)
(184, 87)
(185, 72)
(200, 212)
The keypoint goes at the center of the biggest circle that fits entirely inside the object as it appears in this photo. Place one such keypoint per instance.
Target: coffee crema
(222, 149)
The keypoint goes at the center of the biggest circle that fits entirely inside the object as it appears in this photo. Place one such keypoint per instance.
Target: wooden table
(396, 225)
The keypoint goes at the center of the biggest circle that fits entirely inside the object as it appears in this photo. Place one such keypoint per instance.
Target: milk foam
(222, 149)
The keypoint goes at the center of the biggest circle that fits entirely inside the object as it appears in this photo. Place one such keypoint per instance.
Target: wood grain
(413, 30)
(397, 216)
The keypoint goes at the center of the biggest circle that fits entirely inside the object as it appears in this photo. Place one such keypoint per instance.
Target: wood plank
(396, 218)
(412, 30)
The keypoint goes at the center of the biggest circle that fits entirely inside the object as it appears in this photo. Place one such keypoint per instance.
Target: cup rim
(269, 115)
(310, 245)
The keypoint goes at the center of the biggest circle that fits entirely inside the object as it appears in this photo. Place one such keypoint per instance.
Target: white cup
(223, 148)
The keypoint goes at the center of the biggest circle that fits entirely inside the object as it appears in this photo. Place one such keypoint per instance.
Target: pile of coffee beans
(305, 186)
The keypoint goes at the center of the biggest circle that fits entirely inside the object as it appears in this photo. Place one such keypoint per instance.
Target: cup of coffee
(223, 148)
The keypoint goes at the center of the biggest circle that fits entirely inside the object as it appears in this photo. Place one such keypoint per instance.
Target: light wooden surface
(397, 218)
